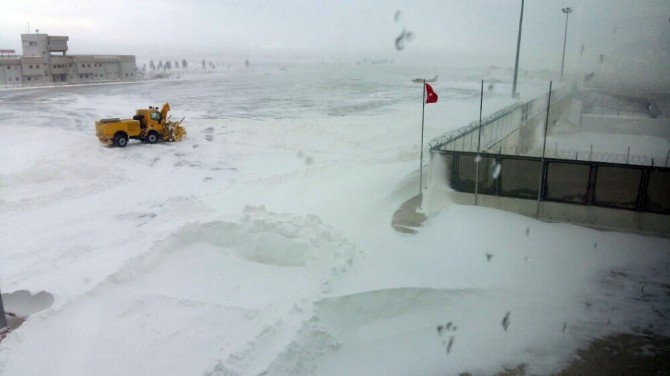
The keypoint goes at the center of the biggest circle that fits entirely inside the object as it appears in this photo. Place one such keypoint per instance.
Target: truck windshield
(156, 116)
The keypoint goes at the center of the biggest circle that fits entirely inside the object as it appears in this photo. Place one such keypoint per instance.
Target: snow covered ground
(262, 243)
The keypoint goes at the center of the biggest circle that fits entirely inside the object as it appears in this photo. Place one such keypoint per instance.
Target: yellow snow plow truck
(148, 125)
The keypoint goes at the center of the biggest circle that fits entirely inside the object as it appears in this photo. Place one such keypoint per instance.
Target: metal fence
(620, 186)
(496, 126)
(590, 155)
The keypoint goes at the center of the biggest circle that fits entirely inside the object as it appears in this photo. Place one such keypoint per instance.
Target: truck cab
(151, 118)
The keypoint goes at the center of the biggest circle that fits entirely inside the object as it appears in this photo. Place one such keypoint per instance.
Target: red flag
(431, 97)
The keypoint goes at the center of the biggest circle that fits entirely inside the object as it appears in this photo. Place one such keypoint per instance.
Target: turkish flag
(431, 97)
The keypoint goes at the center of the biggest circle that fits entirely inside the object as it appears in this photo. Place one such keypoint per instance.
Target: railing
(590, 155)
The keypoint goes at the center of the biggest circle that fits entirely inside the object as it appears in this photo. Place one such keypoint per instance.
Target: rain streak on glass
(404, 37)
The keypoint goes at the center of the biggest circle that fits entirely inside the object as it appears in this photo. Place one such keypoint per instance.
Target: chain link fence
(590, 155)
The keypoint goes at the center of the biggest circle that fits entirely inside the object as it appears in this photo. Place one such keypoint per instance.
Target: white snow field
(262, 244)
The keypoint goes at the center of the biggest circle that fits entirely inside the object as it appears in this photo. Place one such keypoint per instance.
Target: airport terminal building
(45, 61)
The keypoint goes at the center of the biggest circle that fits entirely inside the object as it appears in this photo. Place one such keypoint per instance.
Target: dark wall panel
(520, 178)
(466, 174)
(567, 182)
(658, 191)
(617, 186)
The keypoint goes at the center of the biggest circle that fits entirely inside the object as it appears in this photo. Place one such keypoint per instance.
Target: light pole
(567, 12)
(518, 46)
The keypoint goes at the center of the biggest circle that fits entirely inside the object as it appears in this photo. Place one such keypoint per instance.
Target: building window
(28, 78)
(8, 67)
(17, 78)
(38, 67)
(89, 65)
(70, 65)
(83, 65)
(30, 66)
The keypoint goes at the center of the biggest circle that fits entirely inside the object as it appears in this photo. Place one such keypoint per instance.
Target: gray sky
(457, 32)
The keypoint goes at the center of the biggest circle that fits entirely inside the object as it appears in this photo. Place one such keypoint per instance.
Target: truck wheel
(121, 140)
(152, 137)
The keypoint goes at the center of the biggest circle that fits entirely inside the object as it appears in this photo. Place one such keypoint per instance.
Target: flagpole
(423, 111)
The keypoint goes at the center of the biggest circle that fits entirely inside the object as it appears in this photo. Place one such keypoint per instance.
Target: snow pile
(480, 289)
(233, 290)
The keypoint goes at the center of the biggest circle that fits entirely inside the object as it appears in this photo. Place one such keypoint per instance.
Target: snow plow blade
(174, 131)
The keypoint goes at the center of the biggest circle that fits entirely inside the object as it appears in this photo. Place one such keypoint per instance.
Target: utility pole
(518, 47)
(567, 12)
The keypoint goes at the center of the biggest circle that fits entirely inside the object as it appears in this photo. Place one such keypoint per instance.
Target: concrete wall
(627, 125)
(34, 44)
(127, 67)
(525, 139)
(10, 72)
(593, 216)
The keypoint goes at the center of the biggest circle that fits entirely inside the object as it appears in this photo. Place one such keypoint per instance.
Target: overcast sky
(458, 32)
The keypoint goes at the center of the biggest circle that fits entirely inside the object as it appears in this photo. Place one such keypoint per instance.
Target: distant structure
(45, 61)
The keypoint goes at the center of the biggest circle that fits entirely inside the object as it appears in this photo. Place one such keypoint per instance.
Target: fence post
(627, 155)
(3, 320)
(544, 147)
(479, 139)
(590, 152)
